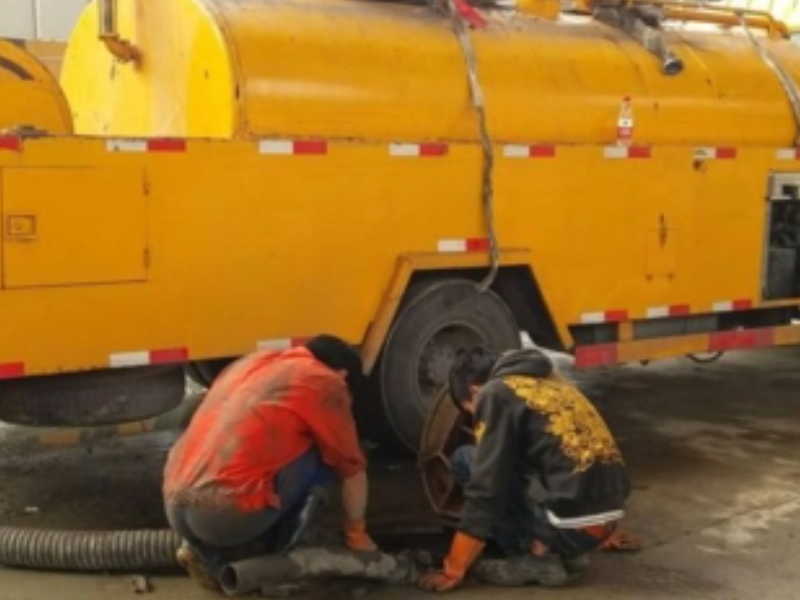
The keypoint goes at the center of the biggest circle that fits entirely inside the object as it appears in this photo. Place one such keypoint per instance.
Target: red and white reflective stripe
(293, 147)
(464, 245)
(521, 151)
(596, 355)
(732, 305)
(148, 357)
(788, 154)
(11, 142)
(606, 316)
(627, 152)
(12, 370)
(717, 341)
(150, 145)
(281, 343)
(710, 152)
(741, 339)
(425, 149)
(673, 310)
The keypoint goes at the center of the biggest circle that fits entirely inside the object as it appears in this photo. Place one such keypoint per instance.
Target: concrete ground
(713, 451)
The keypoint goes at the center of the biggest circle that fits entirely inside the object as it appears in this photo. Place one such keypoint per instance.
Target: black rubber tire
(439, 318)
(92, 398)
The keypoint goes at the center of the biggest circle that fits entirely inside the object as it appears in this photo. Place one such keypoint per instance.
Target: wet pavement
(714, 452)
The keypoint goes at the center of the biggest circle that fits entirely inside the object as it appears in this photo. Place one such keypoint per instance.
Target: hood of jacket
(530, 362)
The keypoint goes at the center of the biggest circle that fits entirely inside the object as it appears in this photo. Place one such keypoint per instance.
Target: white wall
(39, 19)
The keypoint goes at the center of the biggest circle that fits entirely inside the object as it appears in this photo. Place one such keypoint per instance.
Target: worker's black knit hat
(338, 355)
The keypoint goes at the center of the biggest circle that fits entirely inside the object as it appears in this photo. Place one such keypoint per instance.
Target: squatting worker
(273, 426)
(545, 478)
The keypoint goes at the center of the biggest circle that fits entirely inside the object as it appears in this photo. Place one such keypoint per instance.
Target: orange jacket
(262, 413)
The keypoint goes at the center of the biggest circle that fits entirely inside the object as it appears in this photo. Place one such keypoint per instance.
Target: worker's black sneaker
(194, 566)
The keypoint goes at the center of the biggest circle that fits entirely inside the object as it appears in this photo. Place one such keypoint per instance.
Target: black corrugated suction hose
(137, 550)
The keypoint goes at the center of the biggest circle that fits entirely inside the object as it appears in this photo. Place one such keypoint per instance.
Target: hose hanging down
(460, 12)
(786, 81)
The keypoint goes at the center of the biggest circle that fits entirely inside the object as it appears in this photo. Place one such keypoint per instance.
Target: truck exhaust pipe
(123, 50)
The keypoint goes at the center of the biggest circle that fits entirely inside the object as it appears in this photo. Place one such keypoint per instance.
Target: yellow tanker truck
(244, 174)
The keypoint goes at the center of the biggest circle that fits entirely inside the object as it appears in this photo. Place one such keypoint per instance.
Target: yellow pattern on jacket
(584, 436)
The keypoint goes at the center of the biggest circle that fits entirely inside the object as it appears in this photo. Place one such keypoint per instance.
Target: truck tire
(438, 319)
(93, 398)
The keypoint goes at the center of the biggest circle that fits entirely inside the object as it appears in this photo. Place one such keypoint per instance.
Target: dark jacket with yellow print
(543, 436)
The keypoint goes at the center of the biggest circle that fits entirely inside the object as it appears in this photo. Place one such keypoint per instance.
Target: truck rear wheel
(439, 318)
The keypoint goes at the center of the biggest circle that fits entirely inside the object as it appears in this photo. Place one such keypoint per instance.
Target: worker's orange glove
(357, 538)
(464, 550)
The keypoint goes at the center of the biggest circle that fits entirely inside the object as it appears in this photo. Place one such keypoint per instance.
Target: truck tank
(32, 98)
(358, 69)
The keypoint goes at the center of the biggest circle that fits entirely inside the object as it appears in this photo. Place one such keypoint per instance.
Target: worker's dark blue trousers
(524, 521)
(219, 535)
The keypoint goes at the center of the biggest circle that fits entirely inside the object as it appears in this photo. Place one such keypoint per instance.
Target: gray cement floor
(713, 451)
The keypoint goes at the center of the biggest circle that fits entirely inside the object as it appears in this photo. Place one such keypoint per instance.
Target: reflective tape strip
(425, 149)
(658, 312)
(141, 358)
(516, 151)
(732, 305)
(11, 142)
(618, 151)
(310, 147)
(166, 145)
(522, 151)
(616, 316)
(714, 152)
(452, 245)
(149, 145)
(168, 355)
(741, 339)
(674, 310)
(129, 359)
(788, 154)
(12, 370)
(293, 147)
(463, 245)
(593, 317)
(276, 147)
(126, 145)
(281, 343)
(596, 355)
(607, 316)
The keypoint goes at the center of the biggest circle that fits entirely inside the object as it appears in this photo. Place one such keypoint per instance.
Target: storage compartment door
(72, 226)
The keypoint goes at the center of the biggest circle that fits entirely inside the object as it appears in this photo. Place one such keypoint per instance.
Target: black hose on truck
(140, 550)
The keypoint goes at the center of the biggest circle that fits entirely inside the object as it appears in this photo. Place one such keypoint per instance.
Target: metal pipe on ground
(253, 574)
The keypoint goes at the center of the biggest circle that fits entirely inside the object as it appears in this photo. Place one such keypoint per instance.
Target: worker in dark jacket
(273, 429)
(545, 477)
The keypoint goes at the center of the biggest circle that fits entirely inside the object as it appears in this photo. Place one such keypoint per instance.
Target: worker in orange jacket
(273, 428)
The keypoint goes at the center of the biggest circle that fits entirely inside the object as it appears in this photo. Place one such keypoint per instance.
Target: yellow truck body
(271, 169)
